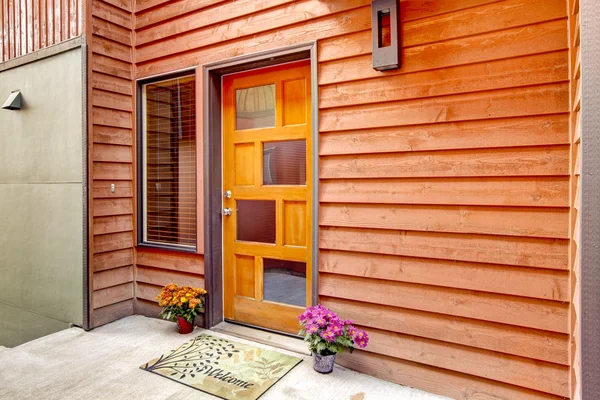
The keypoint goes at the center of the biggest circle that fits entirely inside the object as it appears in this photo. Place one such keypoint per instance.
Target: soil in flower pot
(183, 326)
(323, 364)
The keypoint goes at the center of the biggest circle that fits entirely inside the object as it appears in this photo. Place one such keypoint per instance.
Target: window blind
(170, 162)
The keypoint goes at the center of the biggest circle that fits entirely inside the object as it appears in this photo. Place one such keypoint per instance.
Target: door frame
(212, 163)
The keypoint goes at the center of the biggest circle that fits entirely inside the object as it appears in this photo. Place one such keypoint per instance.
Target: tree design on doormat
(224, 368)
(193, 356)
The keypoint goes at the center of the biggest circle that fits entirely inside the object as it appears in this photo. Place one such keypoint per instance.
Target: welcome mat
(223, 368)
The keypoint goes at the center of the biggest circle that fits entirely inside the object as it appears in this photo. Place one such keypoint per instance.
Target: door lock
(226, 212)
(227, 194)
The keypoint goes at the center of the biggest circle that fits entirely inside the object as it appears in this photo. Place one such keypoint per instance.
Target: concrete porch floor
(103, 364)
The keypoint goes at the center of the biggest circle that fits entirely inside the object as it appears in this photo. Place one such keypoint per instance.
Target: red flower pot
(183, 326)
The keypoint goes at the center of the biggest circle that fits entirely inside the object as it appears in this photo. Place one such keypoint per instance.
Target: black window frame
(140, 160)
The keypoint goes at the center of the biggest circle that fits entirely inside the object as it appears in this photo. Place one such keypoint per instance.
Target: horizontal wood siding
(30, 25)
(444, 185)
(157, 268)
(111, 104)
(444, 200)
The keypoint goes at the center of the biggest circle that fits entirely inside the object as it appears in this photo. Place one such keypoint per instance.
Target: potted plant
(181, 304)
(327, 334)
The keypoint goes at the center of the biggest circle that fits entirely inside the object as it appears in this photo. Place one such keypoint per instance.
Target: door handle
(226, 212)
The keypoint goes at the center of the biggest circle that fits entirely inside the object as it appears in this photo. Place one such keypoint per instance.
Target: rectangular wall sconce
(385, 18)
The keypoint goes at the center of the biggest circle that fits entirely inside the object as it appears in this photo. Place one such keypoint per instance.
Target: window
(168, 187)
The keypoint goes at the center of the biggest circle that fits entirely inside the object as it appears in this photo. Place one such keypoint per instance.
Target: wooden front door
(267, 195)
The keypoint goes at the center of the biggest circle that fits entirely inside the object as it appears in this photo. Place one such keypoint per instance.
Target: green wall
(41, 199)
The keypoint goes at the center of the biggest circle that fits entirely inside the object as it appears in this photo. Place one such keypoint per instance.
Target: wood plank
(273, 18)
(113, 224)
(114, 259)
(504, 132)
(480, 19)
(199, 18)
(531, 222)
(111, 49)
(112, 295)
(533, 100)
(332, 25)
(416, 9)
(436, 380)
(528, 70)
(111, 13)
(64, 19)
(113, 277)
(35, 20)
(511, 310)
(112, 153)
(524, 342)
(522, 161)
(515, 42)
(183, 262)
(110, 117)
(142, 5)
(44, 24)
(112, 171)
(507, 191)
(110, 207)
(506, 250)
(102, 189)
(492, 278)
(112, 67)
(112, 242)
(162, 277)
(112, 135)
(111, 31)
(112, 313)
(74, 28)
(111, 83)
(18, 15)
(147, 292)
(536, 375)
(169, 11)
(122, 4)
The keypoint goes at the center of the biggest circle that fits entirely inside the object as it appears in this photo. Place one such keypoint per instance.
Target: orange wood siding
(111, 155)
(157, 268)
(575, 195)
(30, 25)
(444, 186)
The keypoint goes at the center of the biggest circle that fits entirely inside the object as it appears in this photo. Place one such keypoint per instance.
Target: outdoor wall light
(14, 101)
(385, 18)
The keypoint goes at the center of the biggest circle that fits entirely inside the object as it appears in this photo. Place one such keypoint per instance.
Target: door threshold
(295, 344)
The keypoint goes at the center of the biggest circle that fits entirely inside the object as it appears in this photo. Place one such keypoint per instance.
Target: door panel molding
(210, 104)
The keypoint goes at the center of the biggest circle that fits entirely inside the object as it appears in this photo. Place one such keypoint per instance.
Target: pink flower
(361, 338)
(328, 336)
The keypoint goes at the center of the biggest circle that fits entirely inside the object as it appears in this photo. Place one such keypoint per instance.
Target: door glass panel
(256, 220)
(284, 281)
(255, 107)
(284, 163)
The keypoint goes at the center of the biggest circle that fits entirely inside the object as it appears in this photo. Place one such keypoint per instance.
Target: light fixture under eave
(14, 101)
